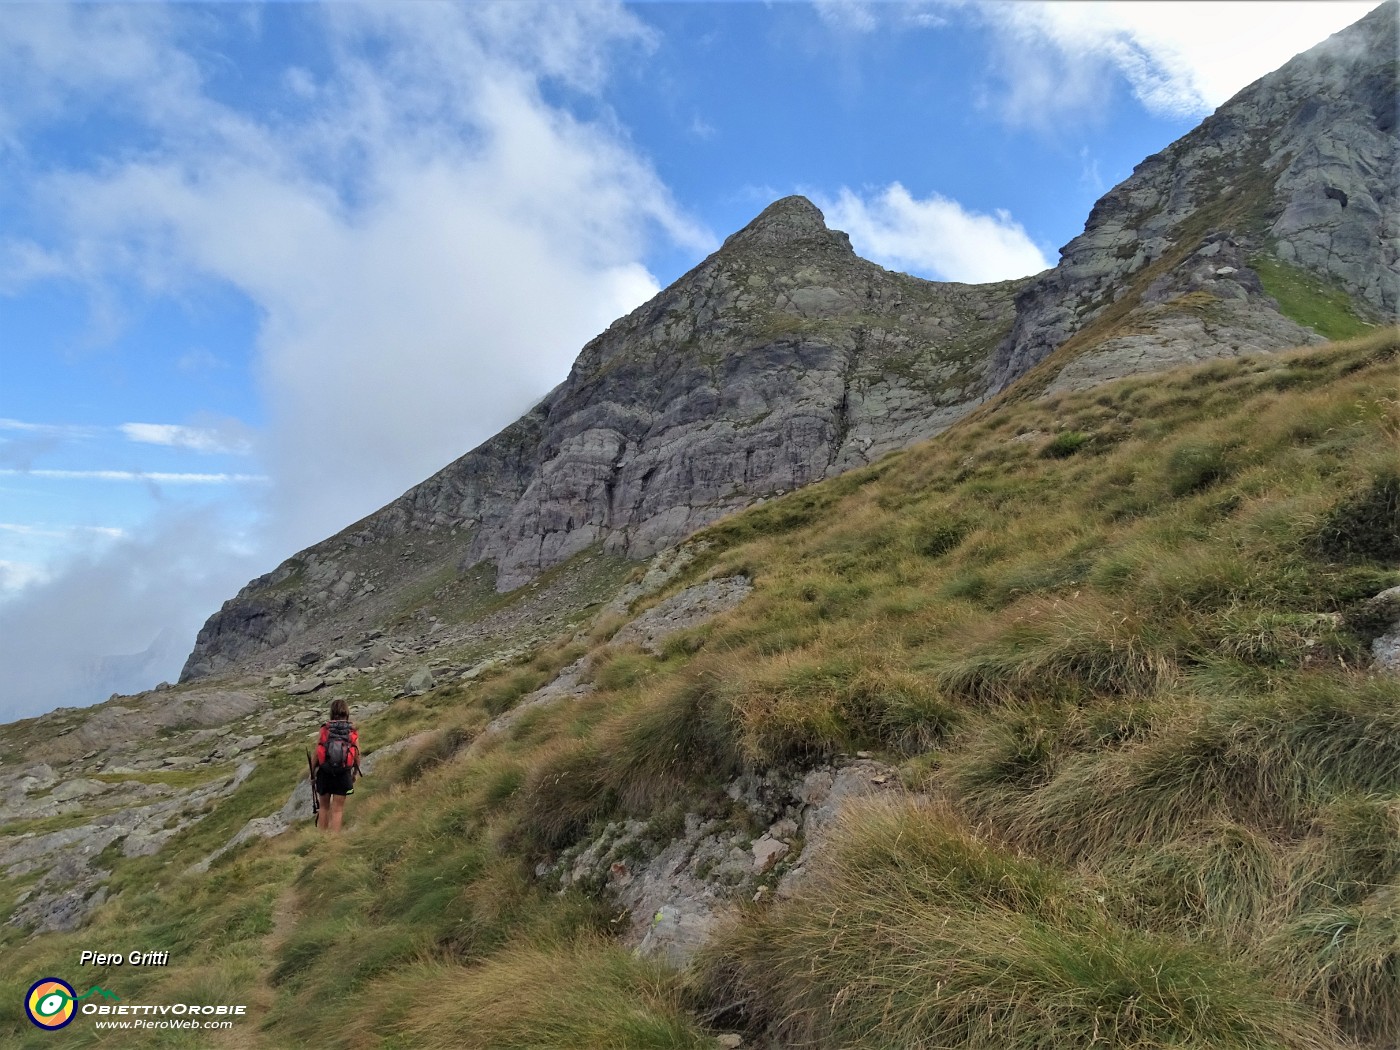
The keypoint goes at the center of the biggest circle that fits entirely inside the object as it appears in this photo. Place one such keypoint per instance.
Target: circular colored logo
(49, 1003)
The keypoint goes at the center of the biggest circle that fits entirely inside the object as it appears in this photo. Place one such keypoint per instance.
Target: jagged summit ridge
(787, 220)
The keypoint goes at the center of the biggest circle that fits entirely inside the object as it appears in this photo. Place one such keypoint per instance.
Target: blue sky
(263, 267)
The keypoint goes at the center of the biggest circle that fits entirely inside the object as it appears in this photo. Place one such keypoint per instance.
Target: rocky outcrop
(676, 892)
(690, 608)
(1385, 647)
(70, 885)
(1297, 171)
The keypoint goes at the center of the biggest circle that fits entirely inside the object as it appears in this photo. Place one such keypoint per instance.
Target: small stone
(420, 681)
(784, 829)
(767, 851)
(729, 1040)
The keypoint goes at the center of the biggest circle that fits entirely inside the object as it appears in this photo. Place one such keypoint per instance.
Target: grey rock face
(70, 887)
(675, 892)
(420, 681)
(1298, 167)
(780, 360)
(1385, 650)
(691, 607)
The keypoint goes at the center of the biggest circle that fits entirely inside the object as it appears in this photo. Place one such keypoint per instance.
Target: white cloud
(1180, 59)
(198, 360)
(429, 250)
(22, 529)
(701, 128)
(15, 576)
(157, 476)
(53, 430)
(61, 627)
(934, 237)
(195, 439)
(23, 262)
(426, 236)
(847, 16)
(855, 17)
(108, 55)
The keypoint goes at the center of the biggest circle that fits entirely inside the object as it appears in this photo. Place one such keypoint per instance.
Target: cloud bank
(118, 619)
(428, 240)
(1181, 59)
(934, 237)
(424, 224)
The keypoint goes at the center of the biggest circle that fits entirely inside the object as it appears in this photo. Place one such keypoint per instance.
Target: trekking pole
(315, 799)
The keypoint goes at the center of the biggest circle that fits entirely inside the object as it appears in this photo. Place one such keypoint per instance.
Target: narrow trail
(246, 1033)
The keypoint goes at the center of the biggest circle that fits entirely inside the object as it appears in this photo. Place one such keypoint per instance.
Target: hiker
(337, 762)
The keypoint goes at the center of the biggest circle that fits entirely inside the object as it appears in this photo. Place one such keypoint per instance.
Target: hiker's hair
(340, 710)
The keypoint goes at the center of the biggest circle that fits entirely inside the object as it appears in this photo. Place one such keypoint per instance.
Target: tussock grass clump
(1279, 638)
(621, 667)
(566, 792)
(1197, 464)
(1268, 763)
(1366, 525)
(939, 533)
(501, 694)
(1062, 648)
(1223, 881)
(544, 997)
(919, 934)
(1347, 959)
(434, 751)
(1065, 444)
(680, 739)
(809, 705)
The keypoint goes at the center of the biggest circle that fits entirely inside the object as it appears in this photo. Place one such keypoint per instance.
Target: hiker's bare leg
(337, 811)
(323, 818)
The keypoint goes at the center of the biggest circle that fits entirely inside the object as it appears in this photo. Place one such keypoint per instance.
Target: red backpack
(338, 747)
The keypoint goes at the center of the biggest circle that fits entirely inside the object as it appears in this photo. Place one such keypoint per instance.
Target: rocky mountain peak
(784, 221)
(784, 358)
(781, 359)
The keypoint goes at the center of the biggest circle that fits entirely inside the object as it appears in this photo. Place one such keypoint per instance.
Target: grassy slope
(1116, 642)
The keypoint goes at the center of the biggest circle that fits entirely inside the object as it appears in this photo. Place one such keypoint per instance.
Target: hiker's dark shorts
(334, 781)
